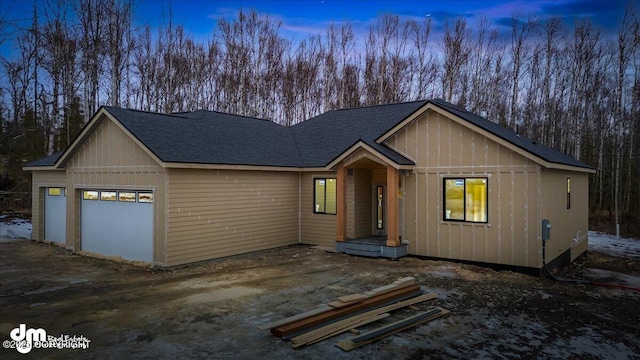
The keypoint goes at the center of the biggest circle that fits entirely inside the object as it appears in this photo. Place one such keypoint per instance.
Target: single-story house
(425, 178)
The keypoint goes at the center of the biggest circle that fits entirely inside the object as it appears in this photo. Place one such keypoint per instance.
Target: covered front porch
(368, 196)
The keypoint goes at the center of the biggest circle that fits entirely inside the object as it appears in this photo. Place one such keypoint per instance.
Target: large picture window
(465, 199)
(324, 194)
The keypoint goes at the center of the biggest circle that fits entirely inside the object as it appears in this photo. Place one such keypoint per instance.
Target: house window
(126, 196)
(90, 195)
(108, 195)
(568, 193)
(145, 197)
(54, 191)
(324, 191)
(465, 199)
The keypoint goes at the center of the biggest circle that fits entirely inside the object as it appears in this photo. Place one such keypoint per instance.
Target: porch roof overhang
(376, 152)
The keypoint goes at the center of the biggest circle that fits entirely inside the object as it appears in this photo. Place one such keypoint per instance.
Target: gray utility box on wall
(546, 230)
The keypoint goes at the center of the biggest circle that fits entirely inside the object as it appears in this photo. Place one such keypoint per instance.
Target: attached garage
(55, 212)
(118, 223)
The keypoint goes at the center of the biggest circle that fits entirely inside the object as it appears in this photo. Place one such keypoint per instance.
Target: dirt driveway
(211, 310)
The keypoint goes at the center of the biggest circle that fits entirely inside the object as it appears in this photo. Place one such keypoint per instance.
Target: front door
(379, 213)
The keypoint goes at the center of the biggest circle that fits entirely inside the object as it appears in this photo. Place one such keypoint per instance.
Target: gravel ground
(212, 309)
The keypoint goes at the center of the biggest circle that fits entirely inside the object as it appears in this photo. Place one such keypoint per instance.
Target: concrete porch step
(361, 248)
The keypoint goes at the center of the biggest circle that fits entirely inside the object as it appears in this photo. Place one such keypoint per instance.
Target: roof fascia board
(41, 168)
(556, 166)
(178, 165)
(362, 145)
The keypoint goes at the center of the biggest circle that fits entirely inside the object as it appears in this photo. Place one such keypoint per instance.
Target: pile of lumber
(349, 312)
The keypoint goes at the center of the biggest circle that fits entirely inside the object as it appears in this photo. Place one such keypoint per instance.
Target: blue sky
(301, 18)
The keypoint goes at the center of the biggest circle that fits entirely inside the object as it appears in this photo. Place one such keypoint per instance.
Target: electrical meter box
(546, 230)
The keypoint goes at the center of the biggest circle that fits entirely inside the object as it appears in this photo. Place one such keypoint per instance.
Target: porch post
(393, 238)
(341, 203)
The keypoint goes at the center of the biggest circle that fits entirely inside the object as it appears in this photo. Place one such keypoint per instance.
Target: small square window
(145, 197)
(108, 195)
(126, 196)
(90, 195)
(54, 191)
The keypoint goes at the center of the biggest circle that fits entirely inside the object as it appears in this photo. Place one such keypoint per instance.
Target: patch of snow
(612, 277)
(16, 229)
(609, 244)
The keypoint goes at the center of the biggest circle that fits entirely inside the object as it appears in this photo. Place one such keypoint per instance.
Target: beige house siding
(110, 159)
(569, 227)
(316, 229)
(217, 213)
(442, 148)
(40, 180)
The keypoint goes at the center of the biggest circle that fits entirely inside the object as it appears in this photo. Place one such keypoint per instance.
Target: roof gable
(539, 153)
(324, 137)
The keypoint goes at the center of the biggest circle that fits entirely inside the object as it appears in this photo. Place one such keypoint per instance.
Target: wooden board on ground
(351, 298)
(384, 331)
(320, 309)
(398, 284)
(296, 328)
(341, 326)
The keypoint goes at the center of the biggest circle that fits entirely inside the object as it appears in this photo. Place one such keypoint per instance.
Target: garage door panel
(116, 228)
(55, 215)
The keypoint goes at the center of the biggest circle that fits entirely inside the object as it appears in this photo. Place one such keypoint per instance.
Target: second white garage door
(118, 223)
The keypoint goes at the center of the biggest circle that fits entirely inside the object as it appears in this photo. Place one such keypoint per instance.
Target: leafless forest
(573, 87)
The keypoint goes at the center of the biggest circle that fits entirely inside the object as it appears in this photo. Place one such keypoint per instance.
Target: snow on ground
(609, 244)
(612, 277)
(15, 229)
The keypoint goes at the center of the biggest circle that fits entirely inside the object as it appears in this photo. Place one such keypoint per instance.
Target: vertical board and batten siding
(443, 148)
(112, 160)
(569, 227)
(218, 213)
(316, 229)
(41, 180)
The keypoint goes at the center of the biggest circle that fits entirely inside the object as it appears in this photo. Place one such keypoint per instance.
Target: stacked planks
(349, 312)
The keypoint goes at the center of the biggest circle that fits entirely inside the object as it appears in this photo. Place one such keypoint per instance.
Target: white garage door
(55, 215)
(118, 223)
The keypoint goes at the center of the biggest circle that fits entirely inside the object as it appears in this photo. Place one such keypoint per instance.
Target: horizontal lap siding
(218, 213)
(316, 229)
(443, 148)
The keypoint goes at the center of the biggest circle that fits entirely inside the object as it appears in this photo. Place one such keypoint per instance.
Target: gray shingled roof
(209, 137)
(46, 161)
(324, 137)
